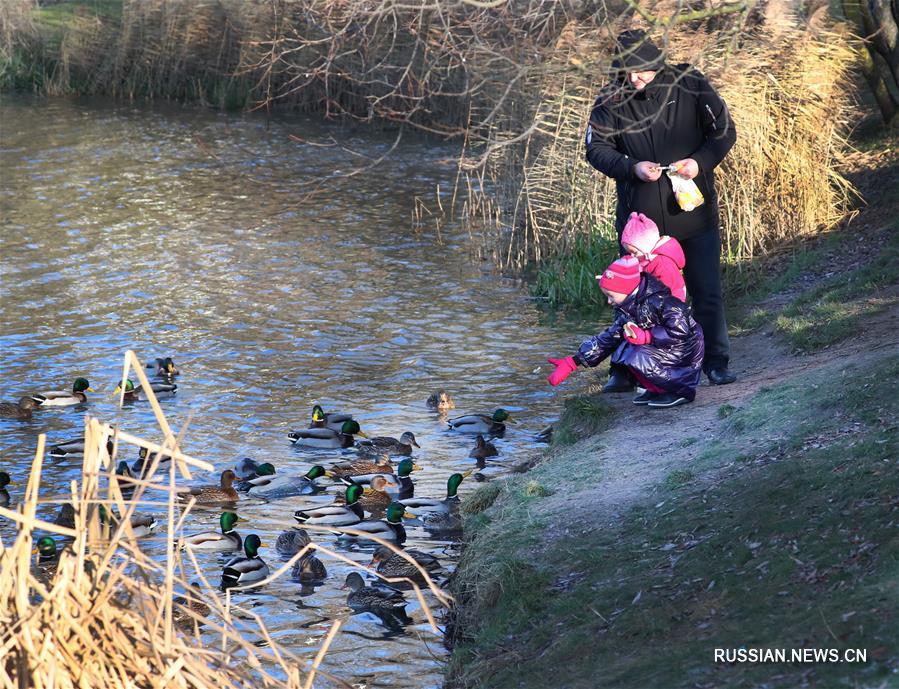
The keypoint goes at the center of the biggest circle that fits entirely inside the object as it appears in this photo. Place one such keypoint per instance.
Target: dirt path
(644, 445)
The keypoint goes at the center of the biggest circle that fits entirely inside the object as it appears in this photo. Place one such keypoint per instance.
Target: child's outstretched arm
(590, 353)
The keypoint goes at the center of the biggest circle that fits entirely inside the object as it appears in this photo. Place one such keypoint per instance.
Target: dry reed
(107, 615)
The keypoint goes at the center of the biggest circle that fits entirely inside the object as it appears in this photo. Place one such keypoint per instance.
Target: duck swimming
(389, 529)
(381, 445)
(335, 515)
(483, 449)
(21, 410)
(283, 486)
(441, 401)
(164, 368)
(327, 438)
(224, 541)
(333, 420)
(262, 475)
(207, 495)
(291, 541)
(309, 569)
(481, 423)
(394, 565)
(380, 598)
(74, 448)
(449, 504)
(134, 393)
(58, 398)
(247, 569)
(361, 469)
(4, 494)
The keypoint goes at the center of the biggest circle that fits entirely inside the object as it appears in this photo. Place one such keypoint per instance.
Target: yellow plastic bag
(686, 192)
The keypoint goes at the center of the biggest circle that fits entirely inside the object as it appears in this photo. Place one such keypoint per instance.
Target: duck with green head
(4, 494)
(262, 475)
(47, 558)
(333, 420)
(145, 460)
(381, 598)
(59, 398)
(247, 569)
(482, 423)
(133, 393)
(284, 486)
(21, 410)
(450, 503)
(335, 515)
(225, 540)
(389, 529)
(327, 438)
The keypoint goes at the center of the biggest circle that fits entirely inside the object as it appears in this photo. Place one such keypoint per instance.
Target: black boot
(720, 376)
(619, 381)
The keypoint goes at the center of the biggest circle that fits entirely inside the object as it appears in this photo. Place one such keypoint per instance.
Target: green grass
(793, 544)
(832, 311)
(582, 417)
(569, 279)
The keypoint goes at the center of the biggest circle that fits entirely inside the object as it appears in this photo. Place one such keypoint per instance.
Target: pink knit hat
(640, 232)
(621, 276)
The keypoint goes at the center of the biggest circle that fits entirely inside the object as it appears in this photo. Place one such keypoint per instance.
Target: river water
(190, 234)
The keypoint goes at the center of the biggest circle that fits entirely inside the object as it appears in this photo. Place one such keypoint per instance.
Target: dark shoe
(668, 399)
(721, 376)
(645, 397)
(618, 382)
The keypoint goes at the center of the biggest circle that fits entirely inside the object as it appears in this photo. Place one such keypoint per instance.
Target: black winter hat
(635, 52)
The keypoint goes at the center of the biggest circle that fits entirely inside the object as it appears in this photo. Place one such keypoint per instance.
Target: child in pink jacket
(661, 257)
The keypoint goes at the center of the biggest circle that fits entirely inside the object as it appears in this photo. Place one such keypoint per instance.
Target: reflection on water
(189, 234)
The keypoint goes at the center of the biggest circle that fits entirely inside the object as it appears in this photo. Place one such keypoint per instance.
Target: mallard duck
(191, 603)
(403, 471)
(74, 448)
(389, 529)
(448, 504)
(248, 468)
(133, 392)
(4, 494)
(483, 449)
(382, 445)
(391, 564)
(545, 436)
(66, 516)
(333, 420)
(262, 475)
(361, 469)
(141, 524)
(18, 410)
(145, 458)
(309, 569)
(164, 368)
(246, 570)
(224, 541)
(327, 438)
(59, 398)
(47, 556)
(285, 486)
(224, 492)
(335, 515)
(291, 541)
(481, 423)
(374, 598)
(441, 401)
(379, 494)
(125, 479)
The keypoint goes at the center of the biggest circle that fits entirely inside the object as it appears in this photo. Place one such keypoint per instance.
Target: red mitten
(564, 368)
(636, 335)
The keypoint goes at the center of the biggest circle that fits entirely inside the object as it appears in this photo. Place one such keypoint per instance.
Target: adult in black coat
(654, 115)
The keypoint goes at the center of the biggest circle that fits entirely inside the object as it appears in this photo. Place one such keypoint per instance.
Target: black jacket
(673, 360)
(678, 115)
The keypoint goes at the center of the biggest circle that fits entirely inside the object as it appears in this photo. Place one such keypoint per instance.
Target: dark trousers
(702, 274)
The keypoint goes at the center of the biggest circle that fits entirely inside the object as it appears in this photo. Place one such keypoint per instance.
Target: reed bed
(108, 616)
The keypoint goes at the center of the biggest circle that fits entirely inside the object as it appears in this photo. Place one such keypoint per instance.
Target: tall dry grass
(107, 615)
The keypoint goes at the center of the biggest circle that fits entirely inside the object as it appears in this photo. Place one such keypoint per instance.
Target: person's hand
(564, 368)
(687, 167)
(647, 171)
(636, 335)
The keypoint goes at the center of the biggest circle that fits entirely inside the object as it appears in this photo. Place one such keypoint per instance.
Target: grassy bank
(779, 534)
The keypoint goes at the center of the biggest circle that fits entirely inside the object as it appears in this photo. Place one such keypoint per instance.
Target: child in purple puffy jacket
(653, 334)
